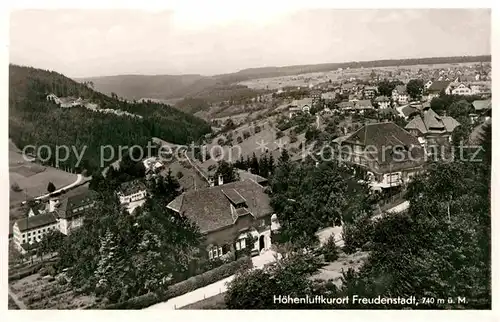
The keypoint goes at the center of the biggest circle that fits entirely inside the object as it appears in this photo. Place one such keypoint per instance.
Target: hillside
(35, 121)
(215, 88)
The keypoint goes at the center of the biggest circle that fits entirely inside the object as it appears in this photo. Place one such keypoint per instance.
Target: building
(461, 89)
(300, 106)
(363, 105)
(315, 97)
(132, 194)
(427, 85)
(71, 211)
(346, 106)
(437, 87)
(369, 92)
(329, 96)
(389, 154)
(400, 95)
(228, 215)
(383, 102)
(431, 129)
(30, 230)
(152, 164)
(247, 175)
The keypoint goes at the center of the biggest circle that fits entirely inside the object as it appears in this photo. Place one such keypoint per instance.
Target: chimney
(221, 180)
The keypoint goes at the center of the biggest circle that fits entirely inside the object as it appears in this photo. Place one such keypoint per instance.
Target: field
(39, 292)
(33, 178)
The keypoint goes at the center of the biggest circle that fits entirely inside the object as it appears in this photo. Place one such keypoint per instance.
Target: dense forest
(35, 121)
(216, 87)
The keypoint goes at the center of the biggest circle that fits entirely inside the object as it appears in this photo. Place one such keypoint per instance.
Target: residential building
(315, 97)
(329, 96)
(383, 102)
(132, 194)
(30, 230)
(428, 84)
(462, 89)
(363, 105)
(437, 87)
(71, 211)
(400, 95)
(369, 92)
(247, 175)
(431, 129)
(228, 214)
(300, 106)
(389, 154)
(346, 106)
(152, 164)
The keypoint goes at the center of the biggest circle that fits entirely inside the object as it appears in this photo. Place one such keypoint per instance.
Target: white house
(152, 164)
(30, 230)
(132, 194)
(400, 95)
(462, 89)
(383, 102)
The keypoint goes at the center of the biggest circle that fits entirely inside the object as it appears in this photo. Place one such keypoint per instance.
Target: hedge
(186, 286)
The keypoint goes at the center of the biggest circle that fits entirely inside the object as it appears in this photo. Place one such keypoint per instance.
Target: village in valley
(319, 183)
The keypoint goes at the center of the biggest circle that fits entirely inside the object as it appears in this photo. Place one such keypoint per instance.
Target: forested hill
(216, 87)
(33, 120)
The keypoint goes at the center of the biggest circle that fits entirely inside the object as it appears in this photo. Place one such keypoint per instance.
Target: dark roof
(438, 86)
(211, 208)
(382, 138)
(430, 122)
(36, 221)
(131, 187)
(345, 105)
(69, 207)
(408, 110)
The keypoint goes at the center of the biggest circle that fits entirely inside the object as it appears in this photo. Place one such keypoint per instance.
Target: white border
(253, 315)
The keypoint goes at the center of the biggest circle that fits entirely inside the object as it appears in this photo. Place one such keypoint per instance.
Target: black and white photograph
(225, 157)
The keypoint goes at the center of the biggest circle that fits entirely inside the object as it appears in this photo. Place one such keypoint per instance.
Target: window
(29, 234)
(29, 239)
(215, 252)
(240, 244)
(262, 222)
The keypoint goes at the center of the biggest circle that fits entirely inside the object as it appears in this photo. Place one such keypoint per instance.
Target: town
(370, 180)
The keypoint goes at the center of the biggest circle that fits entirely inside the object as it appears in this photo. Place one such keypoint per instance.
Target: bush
(257, 129)
(246, 135)
(239, 140)
(358, 233)
(279, 134)
(186, 286)
(15, 187)
(180, 174)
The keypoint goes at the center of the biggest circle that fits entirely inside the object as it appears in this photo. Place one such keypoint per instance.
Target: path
(212, 289)
(16, 300)
(79, 179)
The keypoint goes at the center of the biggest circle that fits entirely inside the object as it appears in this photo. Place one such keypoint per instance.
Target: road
(79, 179)
(212, 289)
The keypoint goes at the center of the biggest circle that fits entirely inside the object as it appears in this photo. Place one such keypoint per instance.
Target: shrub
(15, 187)
(358, 233)
(239, 140)
(186, 286)
(279, 134)
(257, 129)
(180, 174)
(246, 135)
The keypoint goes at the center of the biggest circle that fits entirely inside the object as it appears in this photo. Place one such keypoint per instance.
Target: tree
(51, 187)
(415, 88)
(227, 171)
(254, 165)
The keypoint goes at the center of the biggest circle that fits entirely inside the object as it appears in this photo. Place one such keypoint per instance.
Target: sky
(216, 40)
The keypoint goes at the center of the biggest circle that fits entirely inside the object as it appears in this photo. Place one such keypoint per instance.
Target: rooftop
(430, 122)
(212, 208)
(37, 221)
(438, 86)
(131, 187)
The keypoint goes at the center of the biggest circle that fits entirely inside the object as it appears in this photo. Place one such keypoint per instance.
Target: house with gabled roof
(228, 214)
(383, 102)
(389, 154)
(400, 95)
(132, 194)
(31, 229)
(432, 129)
(437, 87)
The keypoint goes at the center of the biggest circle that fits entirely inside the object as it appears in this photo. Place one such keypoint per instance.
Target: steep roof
(345, 105)
(212, 209)
(245, 175)
(382, 139)
(69, 207)
(430, 122)
(438, 86)
(408, 110)
(36, 221)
